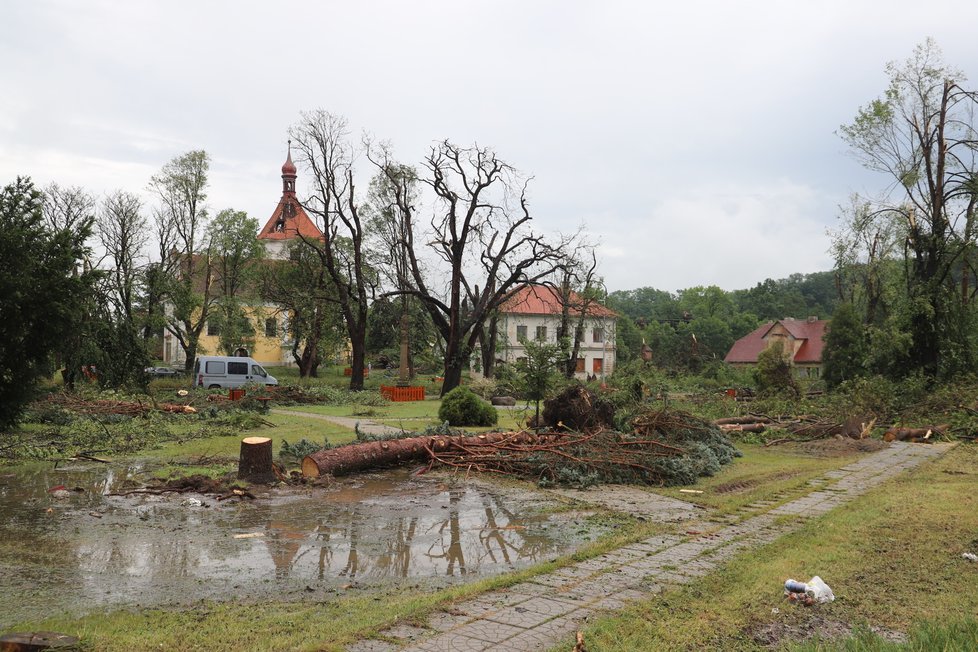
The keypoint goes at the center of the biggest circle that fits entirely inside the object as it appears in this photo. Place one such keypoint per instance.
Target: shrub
(483, 387)
(460, 407)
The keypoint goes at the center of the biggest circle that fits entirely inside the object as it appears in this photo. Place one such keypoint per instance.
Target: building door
(598, 365)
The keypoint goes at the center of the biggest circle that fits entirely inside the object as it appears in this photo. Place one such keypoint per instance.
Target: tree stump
(255, 463)
(36, 641)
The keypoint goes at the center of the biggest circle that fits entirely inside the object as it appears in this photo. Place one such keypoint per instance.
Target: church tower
(288, 221)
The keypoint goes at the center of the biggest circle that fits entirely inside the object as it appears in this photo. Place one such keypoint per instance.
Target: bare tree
(67, 208)
(577, 292)
(480, 237)
(322, 140)
(121, 230)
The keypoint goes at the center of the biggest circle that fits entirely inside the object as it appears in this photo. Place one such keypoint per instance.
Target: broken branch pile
(80, 405)
(665, 448)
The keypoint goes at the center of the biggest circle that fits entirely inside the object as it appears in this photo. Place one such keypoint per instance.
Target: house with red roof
(803, 341)
(535, 312)
(271, 343)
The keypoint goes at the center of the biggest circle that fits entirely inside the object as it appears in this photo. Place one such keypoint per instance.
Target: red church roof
(810, 332)
(289, 220)
(544, 300)
(283, 226)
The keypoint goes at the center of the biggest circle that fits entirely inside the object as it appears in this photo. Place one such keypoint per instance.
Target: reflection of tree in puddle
(453, 552)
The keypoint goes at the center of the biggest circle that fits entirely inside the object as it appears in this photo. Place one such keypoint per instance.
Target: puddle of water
(86, 550)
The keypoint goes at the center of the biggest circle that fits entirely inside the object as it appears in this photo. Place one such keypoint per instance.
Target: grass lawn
(892, 557)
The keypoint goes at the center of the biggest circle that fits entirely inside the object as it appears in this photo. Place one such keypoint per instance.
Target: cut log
(255, 462)
(36, 641)
(746, 427)
(916, 435)
(741, 420)
(389, 452)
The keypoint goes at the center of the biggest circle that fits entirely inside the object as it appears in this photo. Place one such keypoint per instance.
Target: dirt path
(548, 609)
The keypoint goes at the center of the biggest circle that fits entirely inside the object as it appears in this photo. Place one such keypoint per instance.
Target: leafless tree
(323, 143)
(121, 230)
(480, 238)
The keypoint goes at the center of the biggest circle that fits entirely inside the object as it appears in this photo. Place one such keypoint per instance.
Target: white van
(216, 371)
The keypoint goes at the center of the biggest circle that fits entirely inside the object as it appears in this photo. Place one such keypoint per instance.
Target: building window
(579, 367)
(598, 365)
(520, 333)
(213, 328)
(541, 333)
(598, 335)
(271, 327)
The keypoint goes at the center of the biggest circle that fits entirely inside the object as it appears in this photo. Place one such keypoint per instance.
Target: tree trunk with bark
(376, 454)
(255, 462)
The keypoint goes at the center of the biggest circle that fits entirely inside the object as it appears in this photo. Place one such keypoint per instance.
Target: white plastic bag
(819, 590)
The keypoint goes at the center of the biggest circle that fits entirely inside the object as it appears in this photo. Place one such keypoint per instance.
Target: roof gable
(289, 221)
(545, 300)
(810, 332)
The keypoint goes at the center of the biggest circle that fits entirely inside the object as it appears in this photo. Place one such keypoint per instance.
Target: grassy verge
(893, 558)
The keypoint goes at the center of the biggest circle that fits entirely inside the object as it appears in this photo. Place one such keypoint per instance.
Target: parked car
(163, 372)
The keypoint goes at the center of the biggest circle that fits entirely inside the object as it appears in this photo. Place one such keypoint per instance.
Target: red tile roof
(292, 226)
(544, 300)
(811, 333)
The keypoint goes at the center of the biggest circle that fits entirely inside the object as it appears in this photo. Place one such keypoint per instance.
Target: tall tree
(481, 240)
(922, 134)
(121, 230)
(41, 291)
(578, 292)
(303, 290)
(235, 254)
(323, 143)
(185, 273)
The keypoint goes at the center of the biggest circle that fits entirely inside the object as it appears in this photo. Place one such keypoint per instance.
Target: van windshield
(258, 371)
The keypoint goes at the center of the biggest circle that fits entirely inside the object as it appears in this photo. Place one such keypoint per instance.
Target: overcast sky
(695, 140)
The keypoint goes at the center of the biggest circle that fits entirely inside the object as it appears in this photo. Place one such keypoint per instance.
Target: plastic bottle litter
(794, 586)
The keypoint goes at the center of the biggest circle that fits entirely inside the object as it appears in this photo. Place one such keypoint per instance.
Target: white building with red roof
(535, 312)
(803, 342)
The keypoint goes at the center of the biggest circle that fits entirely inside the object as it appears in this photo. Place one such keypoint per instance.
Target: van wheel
(213, 387)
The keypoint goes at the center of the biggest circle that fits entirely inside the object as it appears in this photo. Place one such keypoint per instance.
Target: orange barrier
(394, 393)
(349, 372)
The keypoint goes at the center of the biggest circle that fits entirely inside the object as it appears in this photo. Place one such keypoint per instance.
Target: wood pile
(809, 428)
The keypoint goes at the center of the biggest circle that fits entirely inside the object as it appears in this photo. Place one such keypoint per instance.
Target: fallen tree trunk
(388, 452)
(741, 420)
(745, 427)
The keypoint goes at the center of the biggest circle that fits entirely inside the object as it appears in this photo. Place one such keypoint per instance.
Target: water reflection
(89, 550)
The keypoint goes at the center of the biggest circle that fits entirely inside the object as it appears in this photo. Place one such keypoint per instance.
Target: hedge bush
(461, 407)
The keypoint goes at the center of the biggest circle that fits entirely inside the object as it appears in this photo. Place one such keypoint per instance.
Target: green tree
(42, 292)
(921, 134)
(773, 371)
(539, 372)
(185, 273)
(235, 256)
(844, 355)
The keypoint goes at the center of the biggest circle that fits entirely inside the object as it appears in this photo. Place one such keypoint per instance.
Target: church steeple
(288, 174)
(289, 220)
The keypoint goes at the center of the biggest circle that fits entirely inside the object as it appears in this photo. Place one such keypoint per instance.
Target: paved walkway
(548, 609)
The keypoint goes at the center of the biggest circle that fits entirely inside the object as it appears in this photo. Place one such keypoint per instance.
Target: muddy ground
(67, 546)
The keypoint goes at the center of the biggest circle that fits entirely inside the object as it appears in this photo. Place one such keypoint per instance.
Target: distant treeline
(690, 328)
